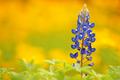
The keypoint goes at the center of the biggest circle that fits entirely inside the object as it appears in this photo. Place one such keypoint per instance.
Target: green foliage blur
(57, 70)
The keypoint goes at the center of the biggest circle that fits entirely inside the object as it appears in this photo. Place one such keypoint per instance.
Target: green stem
(81, 65)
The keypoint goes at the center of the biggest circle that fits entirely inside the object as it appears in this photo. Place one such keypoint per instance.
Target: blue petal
(87, 39)
(78, 27)
(89, 32)
(93, 39)
(84, 28)
(89, 46)
(92, 25)
(77, 37)
(88, 53)
(86, 43)
(76, 55)
(83, 51)
(77, 44)
(74, 39)
(73, 46)
(80, 36)
(93, 49)
(74, 31)
(71, 55)
(92, 35)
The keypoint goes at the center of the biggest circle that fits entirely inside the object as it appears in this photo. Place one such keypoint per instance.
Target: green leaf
(114, 72)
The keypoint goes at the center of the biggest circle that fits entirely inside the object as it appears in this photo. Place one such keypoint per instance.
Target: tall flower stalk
(83, 39)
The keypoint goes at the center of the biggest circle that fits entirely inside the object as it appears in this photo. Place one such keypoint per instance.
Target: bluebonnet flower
(84, 37)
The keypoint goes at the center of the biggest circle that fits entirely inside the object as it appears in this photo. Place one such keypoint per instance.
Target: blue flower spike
(83, 38)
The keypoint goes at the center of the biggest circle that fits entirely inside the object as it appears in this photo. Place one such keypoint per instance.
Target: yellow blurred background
(41, 29)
